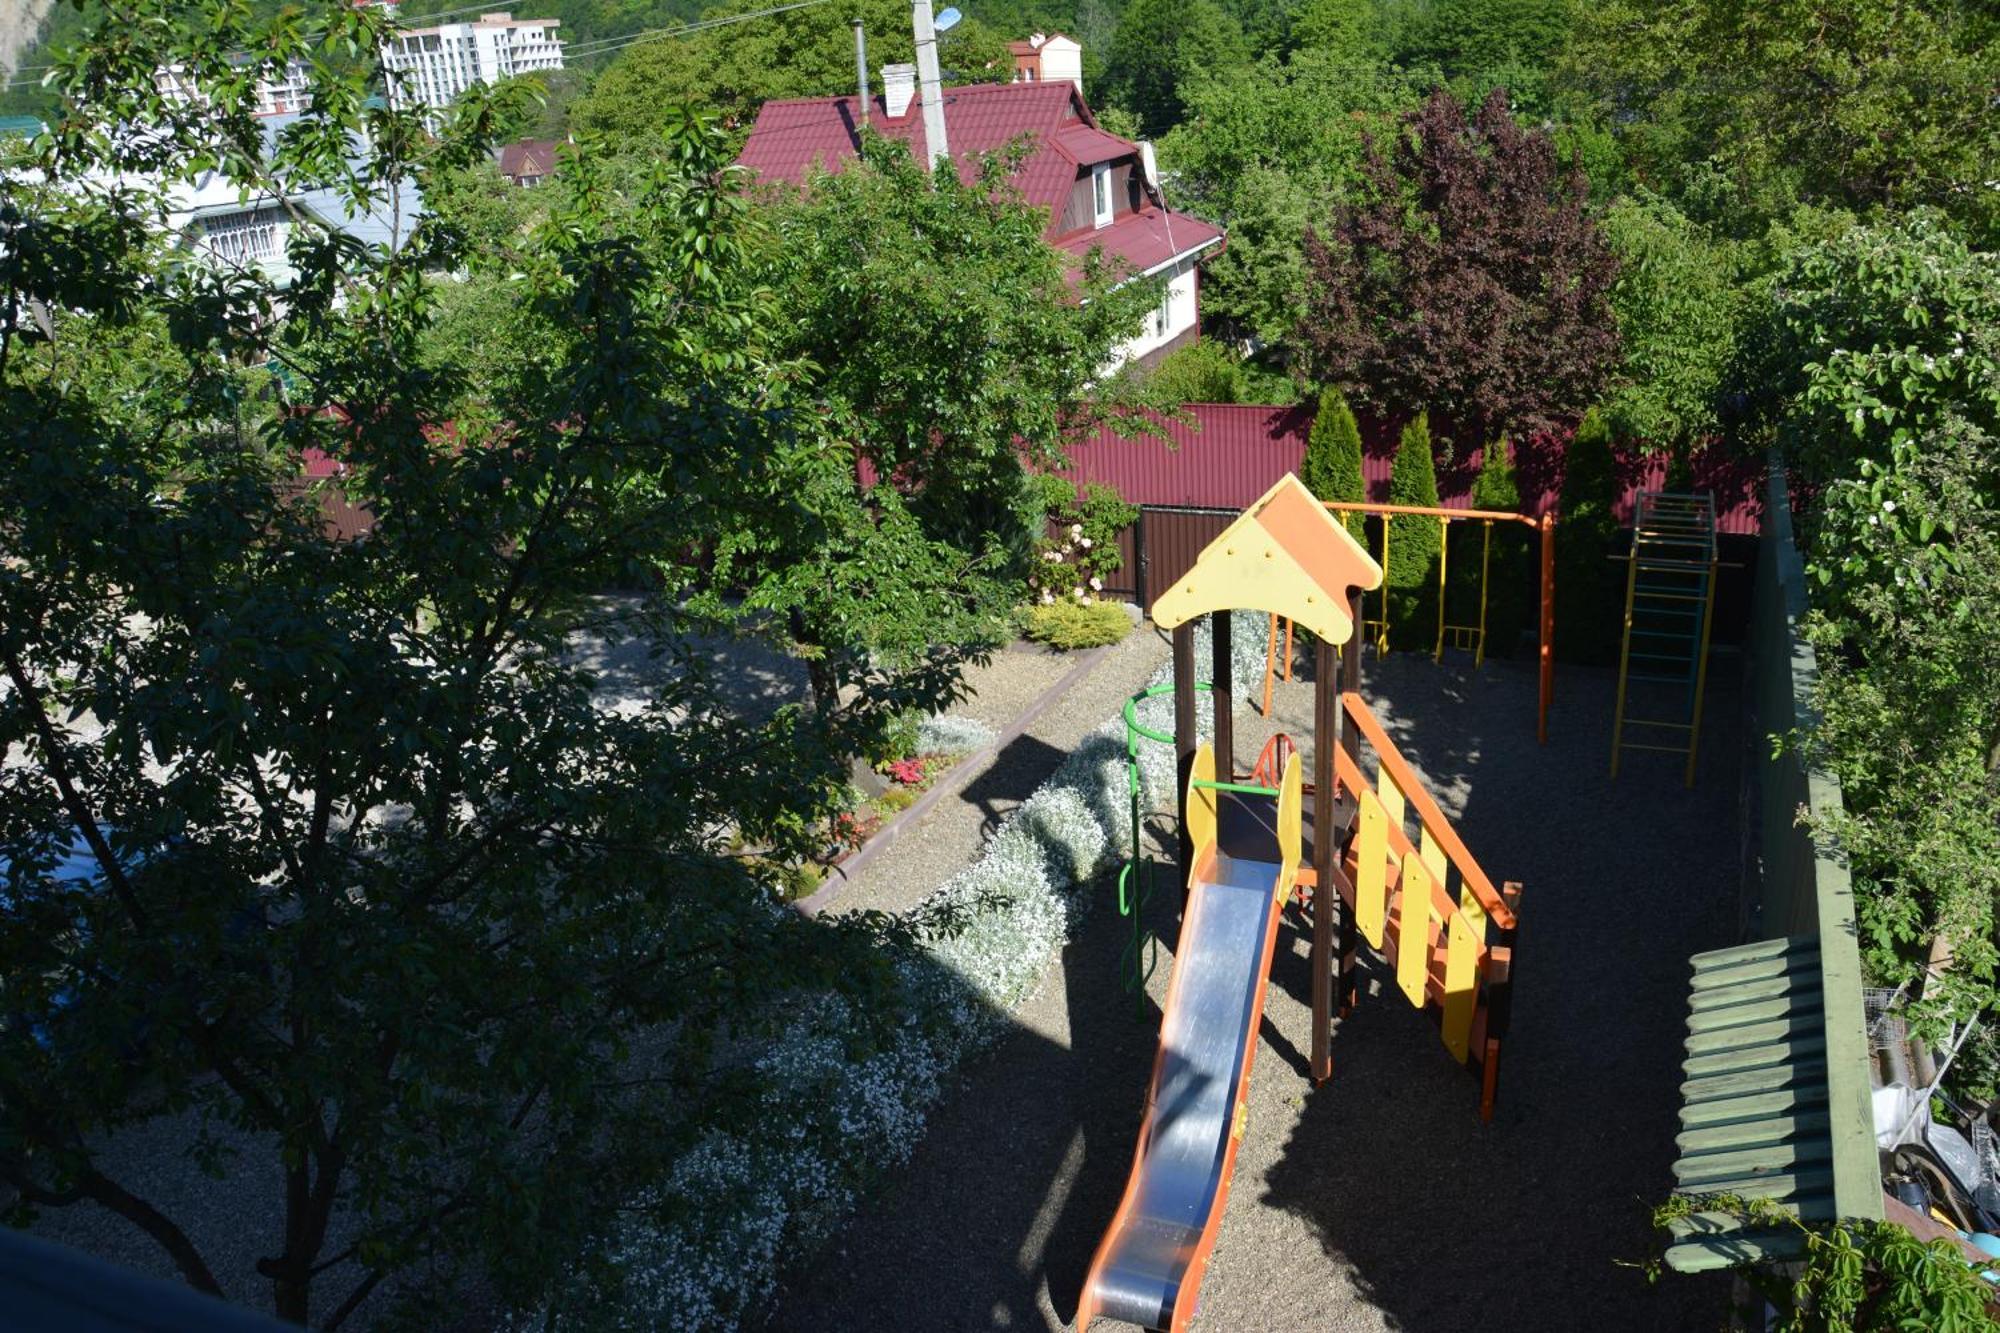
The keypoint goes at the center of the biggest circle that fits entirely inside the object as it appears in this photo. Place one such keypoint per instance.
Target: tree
(1259, 151)
(1741, 112)
(1679, 306)
(1165, 47)
(1590, 589)
(735, 68)
(1006, 371)
(1411, 576)
(1906, 619)
(1496, 487)
(1470, 278)
(1469, 37)
(1331, 468)
(379, 898)
(1875, 335)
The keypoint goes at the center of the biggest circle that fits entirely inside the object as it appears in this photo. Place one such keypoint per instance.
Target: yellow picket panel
(1392, 797)
(1413, 931)
(1371, 870)
(1461, 973)
(1433, 853)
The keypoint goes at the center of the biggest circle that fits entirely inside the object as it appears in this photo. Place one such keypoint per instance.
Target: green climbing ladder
(1669, 613)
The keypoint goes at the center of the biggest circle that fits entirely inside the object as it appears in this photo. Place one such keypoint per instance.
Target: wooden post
(1221, 694)
(1499, 1002)
(1326, 895)
(1186, 741)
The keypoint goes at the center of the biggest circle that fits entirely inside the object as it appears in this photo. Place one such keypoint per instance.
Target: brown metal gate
(1169, 539)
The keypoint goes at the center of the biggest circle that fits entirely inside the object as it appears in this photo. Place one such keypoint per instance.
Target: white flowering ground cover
(704, 1249)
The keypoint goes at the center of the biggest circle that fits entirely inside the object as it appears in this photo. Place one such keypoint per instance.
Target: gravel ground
(1377, 1201)
(949, 838)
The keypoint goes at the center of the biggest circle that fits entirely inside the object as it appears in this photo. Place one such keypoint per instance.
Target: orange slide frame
(1202, 820)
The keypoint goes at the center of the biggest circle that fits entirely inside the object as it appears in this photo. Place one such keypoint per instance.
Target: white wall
(1176, 315)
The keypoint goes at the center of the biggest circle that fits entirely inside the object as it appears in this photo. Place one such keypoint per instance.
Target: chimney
(899, 85)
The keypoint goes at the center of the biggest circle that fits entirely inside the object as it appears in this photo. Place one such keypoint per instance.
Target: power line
(607, 45)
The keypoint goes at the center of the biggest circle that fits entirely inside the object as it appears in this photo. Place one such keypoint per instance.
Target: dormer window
(1100, 193)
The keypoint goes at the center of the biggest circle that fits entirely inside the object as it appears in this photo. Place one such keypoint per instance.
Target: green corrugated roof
(25, 125)
(1754, 1117)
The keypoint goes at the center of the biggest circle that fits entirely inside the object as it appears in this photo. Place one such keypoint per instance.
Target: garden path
(1377, 1201)
(949, 837)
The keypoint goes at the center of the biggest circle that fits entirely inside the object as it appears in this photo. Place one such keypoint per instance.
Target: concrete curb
(963, 772)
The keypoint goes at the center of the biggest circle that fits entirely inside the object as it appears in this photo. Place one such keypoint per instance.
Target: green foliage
(733, 69)
(1207, 371)
(1679, 307)
(1496, 487)
(1869, 1277)
(1261, 150)
(1474, 37)
(1740, 112)
(1590, 589)
(1068, 624)
(1079, 560)
(1331, 468)
(1004, 371)
(1879, 333)
(392, 892)
(1410, 580)
(1906, 618)
(1163, 48)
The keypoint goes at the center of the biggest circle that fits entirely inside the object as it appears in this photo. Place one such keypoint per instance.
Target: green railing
(1805, 887)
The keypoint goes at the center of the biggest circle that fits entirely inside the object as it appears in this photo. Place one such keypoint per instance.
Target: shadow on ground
(1377, 1201)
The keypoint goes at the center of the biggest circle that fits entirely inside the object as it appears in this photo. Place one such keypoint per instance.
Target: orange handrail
(1399, 843)
(1428, 814)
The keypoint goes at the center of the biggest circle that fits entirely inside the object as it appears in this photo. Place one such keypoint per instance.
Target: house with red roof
(1101, 192)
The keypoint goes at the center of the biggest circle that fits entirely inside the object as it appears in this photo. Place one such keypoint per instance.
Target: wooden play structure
(1468, 635)
(1669, 610)
(1360, 850)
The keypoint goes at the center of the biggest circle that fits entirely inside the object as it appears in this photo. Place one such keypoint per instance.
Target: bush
(953, 735)
(1077, 561)
(1201, 372)
(1332, 465)
(1070, 624)
(1590, 589)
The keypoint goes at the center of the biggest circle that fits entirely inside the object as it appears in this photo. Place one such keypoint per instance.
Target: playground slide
(1149, 1266)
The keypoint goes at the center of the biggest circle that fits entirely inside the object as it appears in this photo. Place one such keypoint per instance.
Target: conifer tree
(1496, 487)
(1331, 469)
(1413, 543)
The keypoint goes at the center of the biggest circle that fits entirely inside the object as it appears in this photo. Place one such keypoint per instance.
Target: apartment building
(432, 66)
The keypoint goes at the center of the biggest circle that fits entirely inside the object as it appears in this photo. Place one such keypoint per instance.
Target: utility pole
(861, 69)
(930, 87)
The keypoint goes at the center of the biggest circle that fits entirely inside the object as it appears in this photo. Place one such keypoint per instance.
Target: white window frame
(1102, 204)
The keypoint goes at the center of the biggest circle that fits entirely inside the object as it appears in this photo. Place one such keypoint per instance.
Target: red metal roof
(529, 157)
(1087, 146)
(792, 135)
(1146, 240)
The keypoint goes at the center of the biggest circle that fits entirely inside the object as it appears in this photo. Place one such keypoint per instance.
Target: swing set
(1468, 637)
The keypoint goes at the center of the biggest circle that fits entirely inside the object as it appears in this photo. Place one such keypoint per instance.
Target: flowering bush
(909, 772)
(702, 1249)
(1074, 564)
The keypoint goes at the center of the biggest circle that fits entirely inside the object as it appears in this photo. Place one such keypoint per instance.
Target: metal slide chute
(1148, 1269)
